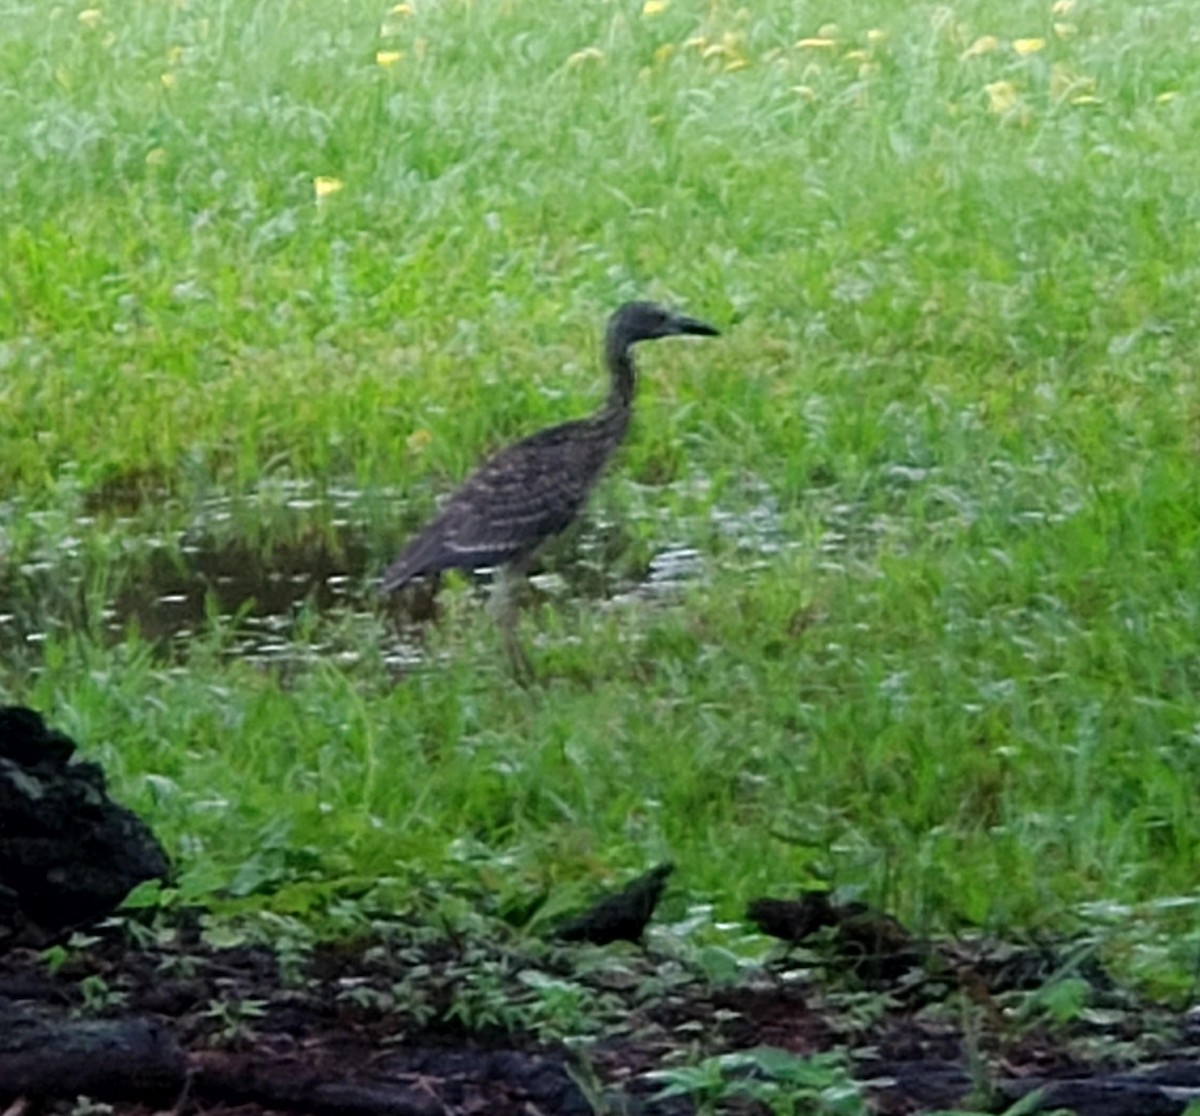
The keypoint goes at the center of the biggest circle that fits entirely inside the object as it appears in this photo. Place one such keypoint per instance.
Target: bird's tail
(419, 557)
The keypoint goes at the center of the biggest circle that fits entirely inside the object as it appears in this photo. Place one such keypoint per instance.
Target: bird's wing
(520, 497)
(513, 502)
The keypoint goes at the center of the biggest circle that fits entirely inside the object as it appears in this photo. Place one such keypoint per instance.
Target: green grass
(959, 356)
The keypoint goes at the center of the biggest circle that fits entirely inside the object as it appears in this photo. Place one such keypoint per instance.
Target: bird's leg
(522, 668)
(505, 607)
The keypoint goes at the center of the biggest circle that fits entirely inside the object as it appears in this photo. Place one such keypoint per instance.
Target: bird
(532, 490)
(622, 916)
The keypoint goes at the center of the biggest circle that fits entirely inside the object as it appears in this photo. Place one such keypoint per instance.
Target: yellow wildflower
(90, 17)
(1167, 97)
(728, 47)
(387, 58)
(816, 43)
(855, 56)
(655, 7)
(1028, 46)
(876, 36)
(324, 186)
(1065, 84)
(985, 44)
(1063, 80)
(736, 64)
(1002, 96)
(402, 9)
(588, 54)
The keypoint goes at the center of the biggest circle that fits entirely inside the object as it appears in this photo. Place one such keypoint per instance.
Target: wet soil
(408, 1019)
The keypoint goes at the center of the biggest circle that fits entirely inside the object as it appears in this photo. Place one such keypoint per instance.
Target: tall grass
(952, 249)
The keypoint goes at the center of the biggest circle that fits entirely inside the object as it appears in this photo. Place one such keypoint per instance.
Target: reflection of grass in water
(274, 561)
(959, 294)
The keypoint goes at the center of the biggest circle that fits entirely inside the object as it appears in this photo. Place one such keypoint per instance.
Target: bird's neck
(624, 378)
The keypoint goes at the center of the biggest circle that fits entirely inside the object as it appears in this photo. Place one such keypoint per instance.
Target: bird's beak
(694, 325)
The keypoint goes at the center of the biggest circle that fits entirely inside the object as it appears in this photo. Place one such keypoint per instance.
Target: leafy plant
(788, 1084)
(100, 997)
(235, 1019)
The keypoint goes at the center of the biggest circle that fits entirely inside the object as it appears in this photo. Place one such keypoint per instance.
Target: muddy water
(268, 599)
(273, 604)
(312, 598)
(224, 574)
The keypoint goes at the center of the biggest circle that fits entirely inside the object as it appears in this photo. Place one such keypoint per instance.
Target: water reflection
(312, 598)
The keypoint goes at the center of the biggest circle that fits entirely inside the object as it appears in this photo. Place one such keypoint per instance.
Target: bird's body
(523, 495)
(533, 489)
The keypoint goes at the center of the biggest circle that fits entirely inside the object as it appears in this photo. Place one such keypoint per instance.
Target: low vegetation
(276, 275)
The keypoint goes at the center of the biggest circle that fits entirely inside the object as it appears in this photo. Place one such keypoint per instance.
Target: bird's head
(645, 321)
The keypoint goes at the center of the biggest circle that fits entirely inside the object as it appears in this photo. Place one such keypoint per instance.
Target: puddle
(289, 604)
(313, 598)
(269, 600)
(285, 575)
(179, 591)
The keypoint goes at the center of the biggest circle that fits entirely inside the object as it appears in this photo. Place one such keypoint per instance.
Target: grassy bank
(952, 252)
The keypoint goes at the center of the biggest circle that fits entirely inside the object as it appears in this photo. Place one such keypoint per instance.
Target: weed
(234, 1020)
(937, 484)
(99, 997)
(787, 1084)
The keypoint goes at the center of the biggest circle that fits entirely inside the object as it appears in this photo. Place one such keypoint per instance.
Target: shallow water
(300, 601)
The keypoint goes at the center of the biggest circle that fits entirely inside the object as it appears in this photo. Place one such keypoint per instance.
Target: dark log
(1101, 1096)
(412, 1082)
(108, 1059)
(292, 1084)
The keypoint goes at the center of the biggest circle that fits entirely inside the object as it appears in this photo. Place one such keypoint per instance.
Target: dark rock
(25, 739)
(68, 854)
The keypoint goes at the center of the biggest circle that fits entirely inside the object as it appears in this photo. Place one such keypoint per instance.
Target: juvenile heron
(533, 489)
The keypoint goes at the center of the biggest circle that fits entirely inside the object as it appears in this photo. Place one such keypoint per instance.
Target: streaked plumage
(534, 489)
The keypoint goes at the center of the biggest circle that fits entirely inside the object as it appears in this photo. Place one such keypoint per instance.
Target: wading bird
(533, 489)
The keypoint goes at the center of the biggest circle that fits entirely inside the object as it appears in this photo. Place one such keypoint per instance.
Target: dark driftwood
(109, 1059)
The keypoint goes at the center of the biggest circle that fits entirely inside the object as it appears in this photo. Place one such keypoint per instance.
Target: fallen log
(108, 1059)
